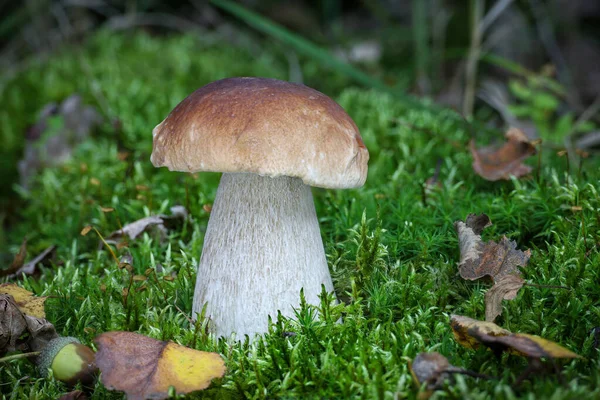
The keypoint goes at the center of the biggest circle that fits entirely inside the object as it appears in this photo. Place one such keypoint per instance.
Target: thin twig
(492, 15)
(19, 356)
(473, 58)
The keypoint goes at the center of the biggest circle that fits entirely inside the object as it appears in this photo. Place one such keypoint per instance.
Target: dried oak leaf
(500, 261)
(493, 163)
(461, 327)
(145, 368)
(27, 302)
(479, 259)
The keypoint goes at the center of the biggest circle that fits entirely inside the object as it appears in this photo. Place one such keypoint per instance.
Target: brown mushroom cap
(262, 126)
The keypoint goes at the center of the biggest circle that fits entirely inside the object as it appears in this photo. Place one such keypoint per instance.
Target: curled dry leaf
(524, 345)
(19, 331)
(471, 333)
(493, 163)
(29, 268)
(12, 324)
(25, 300)
(144, 368)
(17, 262)
(499, 261)
(431, 369)
(461, 326)
(159, 223)
(479, 259)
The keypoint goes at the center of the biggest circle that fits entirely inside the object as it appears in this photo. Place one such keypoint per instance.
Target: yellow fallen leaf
(461, 326)
(473, 333)
(143, 367)
(527, 345)
(28, 303)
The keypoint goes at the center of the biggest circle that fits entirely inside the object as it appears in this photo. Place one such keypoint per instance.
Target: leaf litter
(498, 261)
(144, 367)
(494, 163)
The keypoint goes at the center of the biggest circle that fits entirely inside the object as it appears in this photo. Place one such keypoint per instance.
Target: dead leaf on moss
(472, 333)
(157, 223)
(523, 344)
(430, 368)
(25, 300)
(30, 268)
(19, 331)
(143, 367)
(479, 259)
(505, 288)
(41, 331)
(499, 261)
(461, 327)
(12, 324)
(17, 262)
(493, 163)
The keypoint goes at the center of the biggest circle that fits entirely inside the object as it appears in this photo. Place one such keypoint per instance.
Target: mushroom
(271, 139)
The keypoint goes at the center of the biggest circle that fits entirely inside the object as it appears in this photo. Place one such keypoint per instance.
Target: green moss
(393, 253)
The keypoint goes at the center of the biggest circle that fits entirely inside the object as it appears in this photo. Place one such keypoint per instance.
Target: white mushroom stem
(262, 245)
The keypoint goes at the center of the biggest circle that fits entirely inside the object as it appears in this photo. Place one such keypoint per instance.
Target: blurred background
(75, 69)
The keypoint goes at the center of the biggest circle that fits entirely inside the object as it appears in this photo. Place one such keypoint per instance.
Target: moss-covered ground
(393, 252)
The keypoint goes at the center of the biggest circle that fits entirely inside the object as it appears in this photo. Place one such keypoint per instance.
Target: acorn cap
(262, 126)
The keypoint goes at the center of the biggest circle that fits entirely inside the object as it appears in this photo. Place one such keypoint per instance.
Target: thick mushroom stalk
(262, 245)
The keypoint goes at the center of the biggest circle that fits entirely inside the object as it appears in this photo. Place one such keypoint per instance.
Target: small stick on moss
(19, 356)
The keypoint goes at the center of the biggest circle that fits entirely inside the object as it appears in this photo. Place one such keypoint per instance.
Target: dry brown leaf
(159, 223)
(462, 325)
(505, 288)
(17, 262)
(30, 268)
(499, 261)
(19, 331)
(27, 302)
(12, 324)
(479, 259)
(431, 369)
(523, 344)
(143, 367)
(493, 163)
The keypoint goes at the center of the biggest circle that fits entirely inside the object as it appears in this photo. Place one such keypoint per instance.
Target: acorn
(70, 361)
